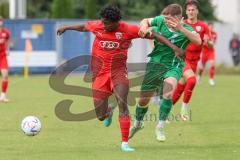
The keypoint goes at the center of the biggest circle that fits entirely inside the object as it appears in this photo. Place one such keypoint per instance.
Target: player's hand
(60, 31)
(179, 53)
(143, 31)
(174, 22)
(206, 38)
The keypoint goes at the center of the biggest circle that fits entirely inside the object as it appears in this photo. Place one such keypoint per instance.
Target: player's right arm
(180, 53)
(144, 27)
(146, 32)
(80, 28)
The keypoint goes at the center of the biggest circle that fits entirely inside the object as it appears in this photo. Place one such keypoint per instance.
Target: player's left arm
(161, 39)
(80, 28)
(192, 36)
(209, 41)
(134, 32)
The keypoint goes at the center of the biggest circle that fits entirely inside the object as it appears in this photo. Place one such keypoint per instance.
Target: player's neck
(192, 21)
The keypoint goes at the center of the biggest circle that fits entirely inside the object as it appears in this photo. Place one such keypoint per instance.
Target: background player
(188, 80)
(208, 54)
(4, 52)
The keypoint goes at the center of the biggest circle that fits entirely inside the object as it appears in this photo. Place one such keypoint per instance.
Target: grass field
(213, 133)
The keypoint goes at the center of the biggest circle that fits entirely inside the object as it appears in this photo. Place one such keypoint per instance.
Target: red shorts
(207, 56)
(3, 62)
(103, 84)
(190, 65)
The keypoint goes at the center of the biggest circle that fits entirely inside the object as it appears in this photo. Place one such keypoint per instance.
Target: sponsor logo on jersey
(109, 44)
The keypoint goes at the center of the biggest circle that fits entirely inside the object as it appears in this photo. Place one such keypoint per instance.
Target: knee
(5, 77)
(167, 95)
(143, 101)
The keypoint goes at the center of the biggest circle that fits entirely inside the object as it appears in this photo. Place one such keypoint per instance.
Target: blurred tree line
(88, 9)
(4, 8)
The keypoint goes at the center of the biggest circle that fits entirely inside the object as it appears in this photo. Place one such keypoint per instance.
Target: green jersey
(162, 53)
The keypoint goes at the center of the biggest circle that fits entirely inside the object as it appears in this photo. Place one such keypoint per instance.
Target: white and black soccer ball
(31, 125)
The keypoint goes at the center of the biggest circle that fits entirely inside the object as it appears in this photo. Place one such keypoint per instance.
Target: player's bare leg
(121, 93)
(190, 79)
(200, 71)
(211, 73)
(3, 97)
(111, 106)
(101, 108)
(141, 110)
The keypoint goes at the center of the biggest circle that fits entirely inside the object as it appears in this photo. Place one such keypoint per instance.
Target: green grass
(213, 133)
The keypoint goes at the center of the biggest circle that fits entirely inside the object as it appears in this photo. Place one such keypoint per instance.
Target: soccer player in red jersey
(188, 80)
(4, 51)
(108, 64)
(208, 54)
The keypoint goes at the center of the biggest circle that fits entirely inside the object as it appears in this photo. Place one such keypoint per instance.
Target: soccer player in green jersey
(164, 69)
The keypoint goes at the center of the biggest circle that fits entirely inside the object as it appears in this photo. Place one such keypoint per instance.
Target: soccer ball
(31, 125)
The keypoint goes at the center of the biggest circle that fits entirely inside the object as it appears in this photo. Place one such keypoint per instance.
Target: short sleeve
(91, 25)
(156, 21)
(133, 31)
(206, 29)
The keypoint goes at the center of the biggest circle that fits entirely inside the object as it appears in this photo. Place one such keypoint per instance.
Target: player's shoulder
(127, 26)
(202, 23)
(158, 18)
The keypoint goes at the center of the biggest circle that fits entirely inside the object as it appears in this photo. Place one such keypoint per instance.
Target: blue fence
(70, 45)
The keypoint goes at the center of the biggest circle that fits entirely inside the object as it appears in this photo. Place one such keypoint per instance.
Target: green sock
(140, 112)
(165, 108)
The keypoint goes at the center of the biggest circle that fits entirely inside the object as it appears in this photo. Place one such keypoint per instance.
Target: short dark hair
(173, 10)
(192, 2)
(111, 13)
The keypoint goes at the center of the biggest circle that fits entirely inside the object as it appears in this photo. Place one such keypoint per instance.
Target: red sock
(211, 72)
(200, 71)
(191, 82)
(4, 86)
(177, 93)
(124, 122)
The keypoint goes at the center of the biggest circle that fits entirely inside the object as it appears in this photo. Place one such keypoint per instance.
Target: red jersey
(193, 51)
(110, 48)
(212, 37)
(4, 37)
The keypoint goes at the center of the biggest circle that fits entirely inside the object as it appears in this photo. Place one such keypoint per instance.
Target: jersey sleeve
(91, 25)
(186, 40)
(206, 30)
(156, 21)
(133, 31)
